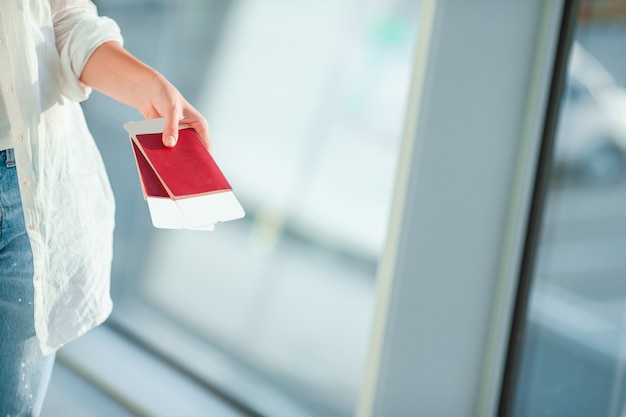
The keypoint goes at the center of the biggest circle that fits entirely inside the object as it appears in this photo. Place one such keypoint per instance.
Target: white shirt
(67, 199)
(5, 139)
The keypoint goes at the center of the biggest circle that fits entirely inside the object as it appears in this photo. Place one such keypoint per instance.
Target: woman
(56, 205)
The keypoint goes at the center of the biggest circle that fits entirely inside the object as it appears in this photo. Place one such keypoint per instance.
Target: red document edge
(150, 183)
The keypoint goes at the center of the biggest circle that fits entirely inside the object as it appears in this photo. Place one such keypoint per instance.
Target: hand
(162, 99)
(115, 72)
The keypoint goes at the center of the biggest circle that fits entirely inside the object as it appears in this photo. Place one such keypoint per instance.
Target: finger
(195, 120)
(170, 130)
(201, 129)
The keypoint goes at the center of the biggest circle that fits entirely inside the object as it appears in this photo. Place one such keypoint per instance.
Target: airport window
(572, 345)
(306, 104)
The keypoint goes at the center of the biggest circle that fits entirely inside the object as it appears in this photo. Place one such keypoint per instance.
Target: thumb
(170, 132)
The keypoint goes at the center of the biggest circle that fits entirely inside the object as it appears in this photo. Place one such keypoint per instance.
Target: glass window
(572, 361)
(305, 101)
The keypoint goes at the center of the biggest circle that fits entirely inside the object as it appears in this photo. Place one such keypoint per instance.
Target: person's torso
(67, 201)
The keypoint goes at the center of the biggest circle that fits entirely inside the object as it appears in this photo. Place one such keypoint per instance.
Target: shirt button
(9, 89)
(26, 183)
(37, 277)
(20, 138)
(1, 41)
(33, 226)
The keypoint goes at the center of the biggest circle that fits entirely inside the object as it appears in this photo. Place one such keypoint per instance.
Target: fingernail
(170, 141)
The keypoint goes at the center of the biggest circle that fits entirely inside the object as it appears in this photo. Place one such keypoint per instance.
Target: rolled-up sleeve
(79, 31)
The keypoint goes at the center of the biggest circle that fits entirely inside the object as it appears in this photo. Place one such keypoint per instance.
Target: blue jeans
(24, 371)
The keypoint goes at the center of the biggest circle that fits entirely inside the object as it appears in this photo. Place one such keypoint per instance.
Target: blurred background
(305, 102)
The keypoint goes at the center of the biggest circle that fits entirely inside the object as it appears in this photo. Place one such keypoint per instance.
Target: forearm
(115, 72)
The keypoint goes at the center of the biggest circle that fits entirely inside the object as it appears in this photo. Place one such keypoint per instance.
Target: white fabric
(67, 199)
(5, 139)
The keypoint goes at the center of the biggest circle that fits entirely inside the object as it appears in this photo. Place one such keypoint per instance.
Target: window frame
(558, 87)
(447, 283)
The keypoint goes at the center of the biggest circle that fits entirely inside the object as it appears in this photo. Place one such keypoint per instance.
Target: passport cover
(187, 169)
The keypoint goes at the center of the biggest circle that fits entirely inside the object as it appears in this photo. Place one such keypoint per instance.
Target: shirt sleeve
(78, 31)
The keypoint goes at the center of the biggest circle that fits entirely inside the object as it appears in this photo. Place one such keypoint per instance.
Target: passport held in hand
(183, 186)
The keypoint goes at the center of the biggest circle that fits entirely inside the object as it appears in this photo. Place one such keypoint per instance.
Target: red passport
(183, 185)
(185, 170)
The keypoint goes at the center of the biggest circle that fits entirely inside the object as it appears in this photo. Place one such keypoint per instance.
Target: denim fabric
(24, 371)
